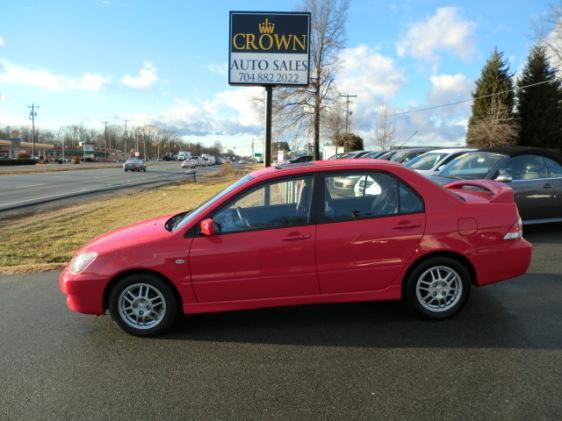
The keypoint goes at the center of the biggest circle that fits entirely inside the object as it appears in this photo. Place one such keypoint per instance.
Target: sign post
(269, 49)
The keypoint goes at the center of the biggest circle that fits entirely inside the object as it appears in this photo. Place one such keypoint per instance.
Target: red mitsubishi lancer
(318, 232)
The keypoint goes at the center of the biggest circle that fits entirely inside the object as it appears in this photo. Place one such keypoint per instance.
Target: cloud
(146, 77)
(219, 69)
(446, 31)
(449, 87)
(2, 43)
(3, 98)
(236, 111)
(366, 73)
(11, 73)
(442, 126)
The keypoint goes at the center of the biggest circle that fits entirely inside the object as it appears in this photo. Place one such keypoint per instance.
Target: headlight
(81, 262)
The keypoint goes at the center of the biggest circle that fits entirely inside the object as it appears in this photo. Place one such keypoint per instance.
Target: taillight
(515, 232)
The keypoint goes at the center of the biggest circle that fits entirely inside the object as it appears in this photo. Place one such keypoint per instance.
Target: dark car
(388, 154)
(534, 174)
(301, 158)
(405, 155)
(374, 154)
(353, 155)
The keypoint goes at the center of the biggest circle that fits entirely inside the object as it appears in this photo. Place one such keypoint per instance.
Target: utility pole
(105, 136)
(347, 102)
(126, 135)
(32, 115)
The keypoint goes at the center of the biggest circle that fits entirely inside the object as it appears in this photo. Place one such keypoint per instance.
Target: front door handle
(547, 186)
(296, 237)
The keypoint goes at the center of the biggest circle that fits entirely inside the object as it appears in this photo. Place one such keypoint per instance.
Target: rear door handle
(547, 186)
(405, 226)
(296, 237)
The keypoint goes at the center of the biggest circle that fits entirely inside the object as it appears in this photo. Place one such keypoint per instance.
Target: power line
(449, 104)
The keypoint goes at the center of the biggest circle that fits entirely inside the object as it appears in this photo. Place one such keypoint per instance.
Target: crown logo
(266, 27)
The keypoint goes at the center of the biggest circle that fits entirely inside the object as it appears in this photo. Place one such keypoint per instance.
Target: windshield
(471, 165)
(426, 161)
(201, 208)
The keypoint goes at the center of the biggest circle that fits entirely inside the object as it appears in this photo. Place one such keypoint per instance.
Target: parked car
(430, 162)
(336, 156)
(300, 158)
(388, 154)
(403, 156)
(534, 174)
(134, 164)
(374, 154)
(283, 236)
(353, 154)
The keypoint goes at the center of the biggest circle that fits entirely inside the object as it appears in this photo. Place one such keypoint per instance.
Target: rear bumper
(84, 293)
(499, 263)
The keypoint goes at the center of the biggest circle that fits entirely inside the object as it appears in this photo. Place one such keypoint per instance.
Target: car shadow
(544, 233)
(498, 316)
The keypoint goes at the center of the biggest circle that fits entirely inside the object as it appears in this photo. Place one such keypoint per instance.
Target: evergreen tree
(539, 107)
(492, 122)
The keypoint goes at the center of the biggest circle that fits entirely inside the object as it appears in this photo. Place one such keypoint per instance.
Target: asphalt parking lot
(501, 358)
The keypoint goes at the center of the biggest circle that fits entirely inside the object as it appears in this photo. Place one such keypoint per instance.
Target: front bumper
(84, 292)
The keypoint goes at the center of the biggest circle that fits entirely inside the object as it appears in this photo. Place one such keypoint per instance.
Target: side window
(525, 167)
(358, 196)
(553, 167)
(273, 205)
(410, 202)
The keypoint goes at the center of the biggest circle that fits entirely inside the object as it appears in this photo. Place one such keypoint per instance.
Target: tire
(438, 288)
(141, 294)
(125, 170)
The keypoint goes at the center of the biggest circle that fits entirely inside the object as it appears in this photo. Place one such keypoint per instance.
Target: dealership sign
(269, 48)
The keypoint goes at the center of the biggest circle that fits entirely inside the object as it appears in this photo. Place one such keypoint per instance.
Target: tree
(496, 127)
(539, 108)
(350, 142)
(295, 108)
(280, 146)
(549, 32)
(493, 103)
(384, 130)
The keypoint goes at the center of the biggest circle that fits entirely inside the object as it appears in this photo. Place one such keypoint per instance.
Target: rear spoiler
(500, 192)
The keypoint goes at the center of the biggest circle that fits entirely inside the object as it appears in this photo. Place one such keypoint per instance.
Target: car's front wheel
(438, 288)
(143, 304)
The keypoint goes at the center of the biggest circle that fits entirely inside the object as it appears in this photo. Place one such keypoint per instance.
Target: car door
(529, 180)
(367, 233)
(264, 247)
(555, 181)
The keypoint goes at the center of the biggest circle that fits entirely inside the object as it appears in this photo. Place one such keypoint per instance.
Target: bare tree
(296, 108)
(549, 32)
(384, 130)
(496, 127)
(335, 120)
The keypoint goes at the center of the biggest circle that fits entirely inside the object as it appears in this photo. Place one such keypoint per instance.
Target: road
(30, 189)
(501, 358)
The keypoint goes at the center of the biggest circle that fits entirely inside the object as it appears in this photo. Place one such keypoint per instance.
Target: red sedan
(319, 232)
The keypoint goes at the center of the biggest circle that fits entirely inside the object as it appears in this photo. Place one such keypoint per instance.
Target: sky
(165, 63)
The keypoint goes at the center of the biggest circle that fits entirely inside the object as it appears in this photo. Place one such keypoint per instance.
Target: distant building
(10, 147)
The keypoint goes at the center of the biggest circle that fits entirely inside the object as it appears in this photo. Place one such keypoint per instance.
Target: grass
(47, 241)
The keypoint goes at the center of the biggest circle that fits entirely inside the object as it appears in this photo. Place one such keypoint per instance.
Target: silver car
(134, 164)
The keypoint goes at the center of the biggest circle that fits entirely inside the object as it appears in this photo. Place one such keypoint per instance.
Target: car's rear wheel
(143, 304)
(438, 288)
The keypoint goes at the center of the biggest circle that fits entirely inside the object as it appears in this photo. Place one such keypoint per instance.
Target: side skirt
(393, 292)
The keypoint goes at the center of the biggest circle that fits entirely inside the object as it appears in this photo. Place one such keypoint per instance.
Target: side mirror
(504, 178)
(208, 227)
